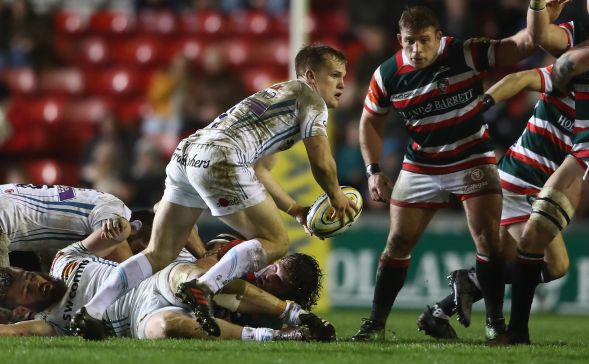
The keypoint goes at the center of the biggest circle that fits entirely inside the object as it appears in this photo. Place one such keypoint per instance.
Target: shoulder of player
(308, 97)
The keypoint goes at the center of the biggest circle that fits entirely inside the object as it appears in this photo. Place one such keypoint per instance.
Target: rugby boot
(198, 297)
(511, 337)
(435, 326)
(465, 294)
(86, 326)
(494, 328)
(370, 330)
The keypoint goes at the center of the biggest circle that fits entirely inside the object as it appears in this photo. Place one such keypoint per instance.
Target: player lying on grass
(524, 169)
(151, 311)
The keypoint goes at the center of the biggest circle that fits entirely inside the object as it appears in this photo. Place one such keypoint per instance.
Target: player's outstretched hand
(300, 214)
(554, 8)
(380, 187)
(320, 330)
(344, 208)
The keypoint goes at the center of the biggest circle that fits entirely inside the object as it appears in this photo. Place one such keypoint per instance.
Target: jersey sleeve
(569, 28)
(479, 53)
(312, 114)
(107, 207)
(67, 259)
(546, 82)
(377, 101)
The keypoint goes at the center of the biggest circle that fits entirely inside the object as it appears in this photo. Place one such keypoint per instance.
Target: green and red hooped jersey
(579, 32)
(441, 105)
(543, 145)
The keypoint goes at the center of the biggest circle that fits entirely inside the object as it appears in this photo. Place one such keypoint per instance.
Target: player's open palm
(380, 187)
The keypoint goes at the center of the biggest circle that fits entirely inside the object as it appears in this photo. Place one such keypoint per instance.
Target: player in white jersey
(435, 83)
(555, 205)
(524, 169)
(225, 168)
(151, 311)
(46, 218)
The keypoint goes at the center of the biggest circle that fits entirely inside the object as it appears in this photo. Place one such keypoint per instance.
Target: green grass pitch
(555, 338)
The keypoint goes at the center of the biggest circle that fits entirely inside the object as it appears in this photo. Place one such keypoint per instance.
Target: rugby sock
(257, 334)
(390, 278)
(544, 276)
(248, 256)
(447, 307)
(491, 277)
(527, 267)
(123, 278)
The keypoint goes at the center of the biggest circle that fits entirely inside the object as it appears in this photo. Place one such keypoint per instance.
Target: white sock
(123, 278)
(246, 257)
(257, 334)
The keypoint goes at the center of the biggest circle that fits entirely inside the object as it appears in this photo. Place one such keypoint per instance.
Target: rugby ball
(318, 220)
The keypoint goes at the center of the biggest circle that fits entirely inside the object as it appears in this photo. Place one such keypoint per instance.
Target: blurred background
(97, 93)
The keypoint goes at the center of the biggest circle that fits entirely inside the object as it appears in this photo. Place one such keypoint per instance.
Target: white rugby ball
(318, 220)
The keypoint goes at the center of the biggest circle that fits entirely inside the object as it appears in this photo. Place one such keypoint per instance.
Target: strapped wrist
(537, 5)
(372, 168)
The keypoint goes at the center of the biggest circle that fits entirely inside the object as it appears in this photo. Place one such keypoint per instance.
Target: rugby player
(225, 167)
(151, 311)
(435, 83)
(555, 205)
(524, 169)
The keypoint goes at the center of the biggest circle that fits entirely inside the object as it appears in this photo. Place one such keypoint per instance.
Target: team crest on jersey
(443, 85)
(477, 174)
(10, 190)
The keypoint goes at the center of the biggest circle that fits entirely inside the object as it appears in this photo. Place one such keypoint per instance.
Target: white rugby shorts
(516, 208)
(214, 177)
(433, 191)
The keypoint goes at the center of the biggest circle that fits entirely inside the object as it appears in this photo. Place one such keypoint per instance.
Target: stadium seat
(333, 23)
(273, 52)
(259, 78)
(239, 51)
(93, 51)
(191, 48)
(250, 23)
(111, 23)
(281, 24)
(92, 110)
(157, 22)
(129, 112)
(47, 110)
(204, 23)
(60, 81)
(51, 171)
(141, 51)
(116, 82)
(70, 22)
(21, 81)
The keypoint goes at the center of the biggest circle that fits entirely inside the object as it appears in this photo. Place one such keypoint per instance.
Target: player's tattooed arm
(562, 72)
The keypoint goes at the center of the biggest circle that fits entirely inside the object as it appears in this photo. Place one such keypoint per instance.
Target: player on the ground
(151, 310)
(435, 83)
(524, 169)
(555, 205)
(225, 167)
(46, 218)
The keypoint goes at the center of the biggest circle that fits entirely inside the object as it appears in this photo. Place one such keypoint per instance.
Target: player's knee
(487, 239)
(552, 210)
(559, 269)
(398, 245)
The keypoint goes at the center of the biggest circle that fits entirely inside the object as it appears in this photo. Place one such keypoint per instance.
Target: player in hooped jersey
(435, 83)
(225, 167)
(555, 205)
(42, 218)
(151, 311)
(523, 170)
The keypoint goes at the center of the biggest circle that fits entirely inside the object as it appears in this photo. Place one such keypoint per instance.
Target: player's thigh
(567, 179)
(171, 227)
(262, 221)
(407, 224)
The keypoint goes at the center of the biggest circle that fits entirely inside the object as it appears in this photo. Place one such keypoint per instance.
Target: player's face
(420, 46)
(33, 290)
(329, 81)
(274, 279)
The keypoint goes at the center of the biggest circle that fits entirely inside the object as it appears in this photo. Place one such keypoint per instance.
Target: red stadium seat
(94, 51)
(116, 81)
(142, 51)
(130, 112)
(70, 22)
(239, 52)
(61, 81)
(281, 24)
(51, 171)
(204, 23)
(259, 78)
(111, 23)
(252, 23)
(157, 22)
(88, 110)
(48, 110)
(274, 52)
(21, 81)
(191, 48)
(332, 22)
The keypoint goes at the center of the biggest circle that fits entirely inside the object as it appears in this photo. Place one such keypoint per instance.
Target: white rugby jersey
(268, 121)
(39, 217)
